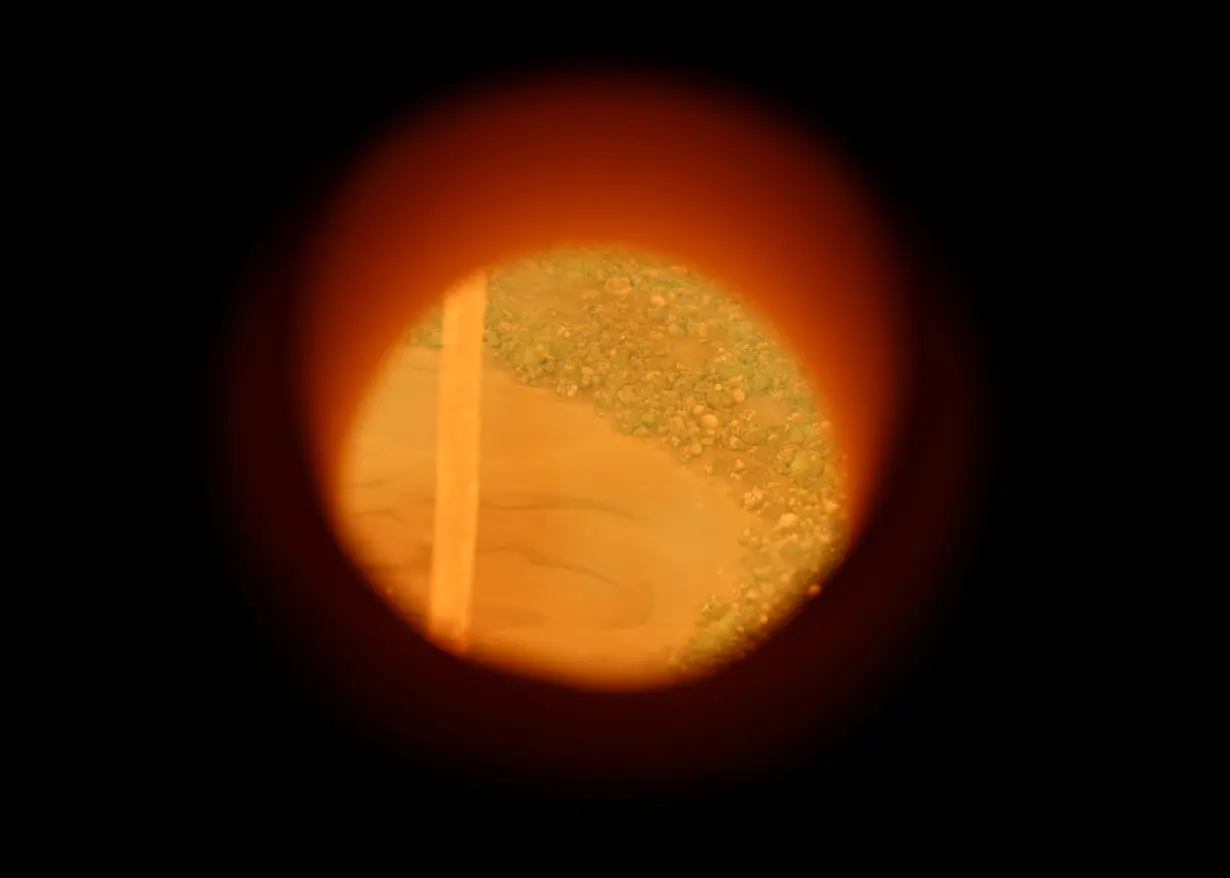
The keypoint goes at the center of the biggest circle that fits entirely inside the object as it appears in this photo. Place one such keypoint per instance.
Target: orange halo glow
(491, 176)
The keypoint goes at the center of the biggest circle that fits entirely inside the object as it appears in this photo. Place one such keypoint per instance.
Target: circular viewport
(641, 484)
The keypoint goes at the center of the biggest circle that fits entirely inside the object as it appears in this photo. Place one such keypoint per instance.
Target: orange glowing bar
(458, 425)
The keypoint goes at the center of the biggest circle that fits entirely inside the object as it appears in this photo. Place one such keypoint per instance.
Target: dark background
(242, 140)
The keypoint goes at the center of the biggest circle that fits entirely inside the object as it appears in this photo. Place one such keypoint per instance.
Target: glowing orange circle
(666, 168)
